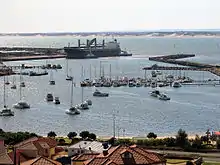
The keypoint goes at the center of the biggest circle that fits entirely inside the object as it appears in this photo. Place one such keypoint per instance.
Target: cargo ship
(94, 50)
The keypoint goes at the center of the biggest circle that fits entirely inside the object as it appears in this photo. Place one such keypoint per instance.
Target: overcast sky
(107, 15)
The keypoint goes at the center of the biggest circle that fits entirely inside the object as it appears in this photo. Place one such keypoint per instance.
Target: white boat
(89, 102)
(14, 87)
(97, 93)
(72, 110)
(21, 105)
(176, 84)
(51, 81)
(131, 84)
(69, 78)
(138, 84)
(6, 111)
(7, 82)
(22, 84)
(153, 85)
(56, 100)
(83, 106)
(164, 97)
(155, 93)
(49, 97)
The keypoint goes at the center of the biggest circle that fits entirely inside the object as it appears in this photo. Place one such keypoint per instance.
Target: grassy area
(211, 163)
(67, 140)
(176, 161)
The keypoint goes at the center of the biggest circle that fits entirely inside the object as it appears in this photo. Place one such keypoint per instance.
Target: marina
(191, 107)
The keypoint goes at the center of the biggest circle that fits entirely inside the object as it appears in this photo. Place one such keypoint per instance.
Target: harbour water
(192, 108)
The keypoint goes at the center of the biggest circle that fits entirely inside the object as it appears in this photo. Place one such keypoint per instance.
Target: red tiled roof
(86, 156)
(59, 149)
(51, 142)
(26, 141)
(41, 161)
(114, 157)
(22, 157)
(5, 159)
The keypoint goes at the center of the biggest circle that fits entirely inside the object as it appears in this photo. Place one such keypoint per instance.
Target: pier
(172, 59)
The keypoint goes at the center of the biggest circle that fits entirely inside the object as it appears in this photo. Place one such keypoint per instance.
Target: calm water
(193, 108)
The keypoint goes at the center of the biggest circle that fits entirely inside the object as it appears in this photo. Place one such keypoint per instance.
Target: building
(4, 157)
(33, 148)
(85, 147)
(120, 155)
(41, 161)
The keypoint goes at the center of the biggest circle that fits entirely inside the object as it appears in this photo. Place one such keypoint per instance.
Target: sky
(107, 15)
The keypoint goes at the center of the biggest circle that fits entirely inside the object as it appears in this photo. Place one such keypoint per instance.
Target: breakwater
(172, 59)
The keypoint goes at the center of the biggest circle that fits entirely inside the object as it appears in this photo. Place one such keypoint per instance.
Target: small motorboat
(52, 82)
(56, 100)
(176, 84)
(131, 84)
(72, 111)
(21, 105)
(155, 93)
(164, 97)
(97, 93)
(49, 97)
(69, 78)
(22, 84)
(6, 112)
(7, 83)
(14, 87)
(89, 102)
(83, 106)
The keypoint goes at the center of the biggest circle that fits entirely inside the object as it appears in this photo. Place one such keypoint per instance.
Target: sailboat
(22, 84)
(84, 105)
(73, 110)
(68, 78)
(21, 104)
(6, 111)
(51, 82)
(7, 82)
(13, 84)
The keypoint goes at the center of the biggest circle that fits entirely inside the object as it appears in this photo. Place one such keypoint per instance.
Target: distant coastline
(123, 34)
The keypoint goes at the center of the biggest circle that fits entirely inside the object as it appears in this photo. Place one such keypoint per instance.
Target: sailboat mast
(71, 101)
(90, 72)
(82, 80)
(20, 86)
(67, 67)
(4, 93)
(110, 71)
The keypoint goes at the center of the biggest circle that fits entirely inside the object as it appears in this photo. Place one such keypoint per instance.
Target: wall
(51, 152)
(30, 153)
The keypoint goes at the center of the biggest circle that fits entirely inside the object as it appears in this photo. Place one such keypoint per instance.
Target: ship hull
(77, 53)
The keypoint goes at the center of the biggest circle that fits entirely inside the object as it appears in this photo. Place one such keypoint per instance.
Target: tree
(208, 135)
(189, 163)
(152, 135)
(197, 142)
(170, 142)
(1, 131)
(92, 136)
(71, 135)
(61, 141)
(181, 138)
(84, 134)
(52, 134)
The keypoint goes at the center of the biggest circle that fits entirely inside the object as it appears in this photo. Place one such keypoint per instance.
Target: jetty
(173, 59)
(29, 53)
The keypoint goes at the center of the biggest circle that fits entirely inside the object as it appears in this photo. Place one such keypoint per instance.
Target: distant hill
(206, 32)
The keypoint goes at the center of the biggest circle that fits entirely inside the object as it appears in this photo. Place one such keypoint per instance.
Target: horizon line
(120, 31)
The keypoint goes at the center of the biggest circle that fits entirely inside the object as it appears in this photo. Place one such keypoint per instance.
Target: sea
(192, 108)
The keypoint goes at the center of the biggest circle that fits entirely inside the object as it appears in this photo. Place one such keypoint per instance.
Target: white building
(85, 147)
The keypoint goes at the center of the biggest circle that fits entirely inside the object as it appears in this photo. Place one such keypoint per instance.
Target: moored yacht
(97, 93)
(155, 93)
(6, 112)
(22, 84)
(49, 97)
(21, 105)
(176, 84)
(56, 100)
(72, 111)
(89, 102)
(164, 97)
(83, 106)
(13, 86)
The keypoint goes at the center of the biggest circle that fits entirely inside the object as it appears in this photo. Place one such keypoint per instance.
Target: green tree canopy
(52, 134)
(84, 134)
(152, 135)
(71, 135)
(181, 138)
(92, 136)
